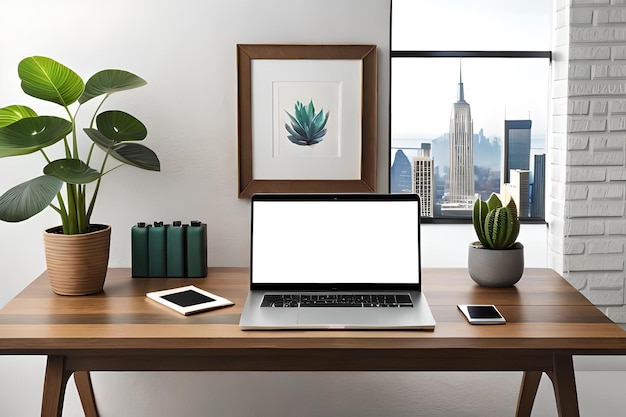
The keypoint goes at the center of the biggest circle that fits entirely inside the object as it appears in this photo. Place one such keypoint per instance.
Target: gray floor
(601, 385)
(601, 394)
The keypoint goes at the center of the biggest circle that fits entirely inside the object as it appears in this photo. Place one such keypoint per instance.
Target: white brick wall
(587, 214)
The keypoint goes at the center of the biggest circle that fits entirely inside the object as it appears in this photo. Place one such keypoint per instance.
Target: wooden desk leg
(54, 385)
(564, 383)
(82, 379)
(527, 393)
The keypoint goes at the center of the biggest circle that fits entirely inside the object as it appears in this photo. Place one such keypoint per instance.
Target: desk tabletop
(543, 312)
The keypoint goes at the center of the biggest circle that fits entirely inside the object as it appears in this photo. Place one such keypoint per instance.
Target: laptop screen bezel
(335, 286)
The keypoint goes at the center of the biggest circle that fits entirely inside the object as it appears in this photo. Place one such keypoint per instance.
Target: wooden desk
(122, 330)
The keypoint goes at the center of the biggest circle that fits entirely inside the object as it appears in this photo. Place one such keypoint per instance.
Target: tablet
(189, 299)
(481, 313)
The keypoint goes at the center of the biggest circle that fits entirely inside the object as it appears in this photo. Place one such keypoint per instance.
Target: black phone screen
(483, 312)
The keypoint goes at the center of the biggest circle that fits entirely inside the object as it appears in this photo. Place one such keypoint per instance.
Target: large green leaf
(49, 80)
(119, 126)
(130, 153)
(32, 134)
(102, 141)
(136, 155)
(108, 82)
(12, 114)
(29, 198)
(72, 171)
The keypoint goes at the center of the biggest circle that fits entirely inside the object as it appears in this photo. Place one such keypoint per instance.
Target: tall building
(401, 179)
(518, 190)
(424, 180)
(516, 152)
(461, 179)
(538, 197)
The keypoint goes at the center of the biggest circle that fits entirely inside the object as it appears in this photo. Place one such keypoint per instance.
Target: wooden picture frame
(341, 77)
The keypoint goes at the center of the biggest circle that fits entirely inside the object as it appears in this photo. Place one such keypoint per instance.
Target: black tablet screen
(187, 298)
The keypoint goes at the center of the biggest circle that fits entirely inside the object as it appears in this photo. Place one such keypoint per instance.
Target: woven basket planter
(77, 264)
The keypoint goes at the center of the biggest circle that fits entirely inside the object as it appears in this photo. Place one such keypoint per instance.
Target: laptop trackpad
(337, 317)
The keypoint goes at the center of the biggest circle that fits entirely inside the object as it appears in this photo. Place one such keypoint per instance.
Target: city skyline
(450, 191)
(500, 89)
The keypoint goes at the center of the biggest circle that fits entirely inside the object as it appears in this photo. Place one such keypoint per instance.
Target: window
(469, 122)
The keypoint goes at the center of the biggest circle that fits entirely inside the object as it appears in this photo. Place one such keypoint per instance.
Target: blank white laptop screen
(327, 242)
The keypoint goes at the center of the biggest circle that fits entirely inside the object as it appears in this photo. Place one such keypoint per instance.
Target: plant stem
(91, 148)
(80, 208)
(87, 214)
(44, 155)
(73, 208)
(98, 109)
(63, 212)
(95, 191)
(74, 137)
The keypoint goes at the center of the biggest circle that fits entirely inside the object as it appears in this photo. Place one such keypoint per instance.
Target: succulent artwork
(307, 128)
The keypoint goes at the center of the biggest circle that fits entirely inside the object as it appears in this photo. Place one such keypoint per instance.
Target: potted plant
(496, 259)
(78, 266)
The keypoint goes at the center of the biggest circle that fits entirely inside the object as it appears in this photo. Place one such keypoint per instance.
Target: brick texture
(588, 164)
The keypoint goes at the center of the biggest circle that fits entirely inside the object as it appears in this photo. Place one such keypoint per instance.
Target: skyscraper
(424, 180)
(461, 180)
(518, 191)
(516, 152)
(538, 199)
(401, 177)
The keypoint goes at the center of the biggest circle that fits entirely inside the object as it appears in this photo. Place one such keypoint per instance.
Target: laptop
(335, 261)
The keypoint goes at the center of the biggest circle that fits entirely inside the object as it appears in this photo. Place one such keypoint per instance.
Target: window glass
(470, 123)
(502, 97)
(508, 25)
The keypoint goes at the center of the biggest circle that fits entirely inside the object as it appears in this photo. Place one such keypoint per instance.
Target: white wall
(445, 245)
(186, 52)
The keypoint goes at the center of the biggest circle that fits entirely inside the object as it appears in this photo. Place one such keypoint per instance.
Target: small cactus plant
(496, 225)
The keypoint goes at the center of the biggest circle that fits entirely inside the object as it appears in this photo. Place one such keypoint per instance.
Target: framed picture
(307, 118)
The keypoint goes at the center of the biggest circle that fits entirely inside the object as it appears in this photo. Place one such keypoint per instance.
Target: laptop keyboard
(337, 300)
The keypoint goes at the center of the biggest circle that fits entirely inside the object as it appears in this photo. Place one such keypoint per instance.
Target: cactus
(496, 225)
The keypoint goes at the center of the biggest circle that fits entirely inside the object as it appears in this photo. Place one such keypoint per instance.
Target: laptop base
(255, 317)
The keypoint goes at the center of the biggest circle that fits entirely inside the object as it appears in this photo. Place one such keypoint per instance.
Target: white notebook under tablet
(189, 299)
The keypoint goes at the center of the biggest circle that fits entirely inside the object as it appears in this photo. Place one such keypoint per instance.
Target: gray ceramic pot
(496, 268)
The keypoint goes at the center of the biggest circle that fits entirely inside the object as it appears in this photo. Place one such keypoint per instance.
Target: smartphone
(482, 313)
